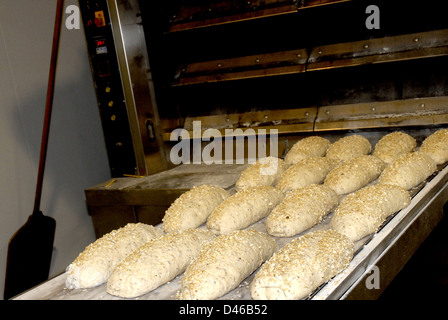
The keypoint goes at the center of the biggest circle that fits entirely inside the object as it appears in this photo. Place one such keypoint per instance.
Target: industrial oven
(178, 76)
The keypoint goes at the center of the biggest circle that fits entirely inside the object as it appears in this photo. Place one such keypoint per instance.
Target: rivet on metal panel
(421, 106)
(266, 116)
(366, 46)
(319, 52)
(307, 114)
(373, 108)
(219, 65)
(257, 60)
(416, 39)
(299, 55)
(327, 112)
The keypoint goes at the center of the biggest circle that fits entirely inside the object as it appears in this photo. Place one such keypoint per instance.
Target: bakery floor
(426, 273)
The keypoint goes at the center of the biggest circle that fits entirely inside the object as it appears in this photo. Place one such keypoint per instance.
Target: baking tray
(368, 251)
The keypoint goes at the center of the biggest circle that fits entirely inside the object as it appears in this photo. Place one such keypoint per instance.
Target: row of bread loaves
(293, 272)
(138, 258)
(213, 266)
(311, 159)
(222, 213)
(390, 147)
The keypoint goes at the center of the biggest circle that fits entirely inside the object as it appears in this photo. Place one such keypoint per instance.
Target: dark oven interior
(344, 22)
(219, 58)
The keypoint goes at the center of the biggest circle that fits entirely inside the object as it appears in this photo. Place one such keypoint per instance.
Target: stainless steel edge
(138, 85)
(120, 47)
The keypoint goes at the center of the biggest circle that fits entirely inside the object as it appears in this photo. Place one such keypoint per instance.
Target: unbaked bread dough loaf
(94, 265)
(243, 209)
(156, 262)
(393, 145)
(193, 208)
(224, 263)
(306, 172)
(361, 213)
(354, 174)
(408, 170)
(264, 172)
(349, 147)
(302, 265)
(300, 210)
(309, 147)
(436, 146)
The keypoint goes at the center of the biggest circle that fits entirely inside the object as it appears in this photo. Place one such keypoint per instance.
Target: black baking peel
(30, 248)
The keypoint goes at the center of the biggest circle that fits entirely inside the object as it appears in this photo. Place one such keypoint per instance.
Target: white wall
(76, 157)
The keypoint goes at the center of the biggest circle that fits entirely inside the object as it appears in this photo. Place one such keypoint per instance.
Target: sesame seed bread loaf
(302, 265)
(264, 172)
(308, 147)
(408, 170)
(436, 146)
(156, 262)
(243, 209)
(300, 210)
(349, 147)
(306, 172)
(361, 213)
(354, 174)
(193, 208)
(393, 145)
(94, 265)
(224, 263)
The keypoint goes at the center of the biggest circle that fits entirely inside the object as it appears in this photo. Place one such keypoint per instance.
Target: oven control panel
(108, 86)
